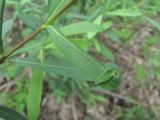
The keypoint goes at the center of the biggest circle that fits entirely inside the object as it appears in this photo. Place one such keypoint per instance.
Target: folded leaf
(110, 78)
(110, 70)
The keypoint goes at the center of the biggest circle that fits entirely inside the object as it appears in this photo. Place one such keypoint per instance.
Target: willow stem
(27, 39)
(35, 33)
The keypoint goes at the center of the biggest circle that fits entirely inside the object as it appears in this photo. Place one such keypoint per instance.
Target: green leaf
(107, 25)
(112, 84)
(154, 23)
(140, 72)
(83, 43)
(125, 13)
(76, 55)
(53, 6)
(107, 74)
(29, 47)
(97, 21)
(110, 78)
(35, 95)
(97, 46)
(57, 66)
(106, 52)
(31, 21)
(113, 36)
(6, 27)
(95, 13)
(80, 27)
(10, 114)
(2, 4)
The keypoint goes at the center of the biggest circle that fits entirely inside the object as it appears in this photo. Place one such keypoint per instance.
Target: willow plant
(89, 68)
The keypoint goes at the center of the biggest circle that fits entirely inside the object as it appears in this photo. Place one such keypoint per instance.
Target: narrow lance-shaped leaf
(99, 73)
(57, 7)
(80, 58)
(57, 66)
(125, 13)
(2, 4)
(54, 5)
(106, 52)
(10, 114)
(81, 27)
(97, 21)
(35, 94)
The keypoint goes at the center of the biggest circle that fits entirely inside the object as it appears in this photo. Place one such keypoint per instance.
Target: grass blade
(2, 4)
(10, 114)
(35, 94)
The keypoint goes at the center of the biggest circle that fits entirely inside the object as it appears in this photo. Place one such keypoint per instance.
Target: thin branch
(27, 39)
